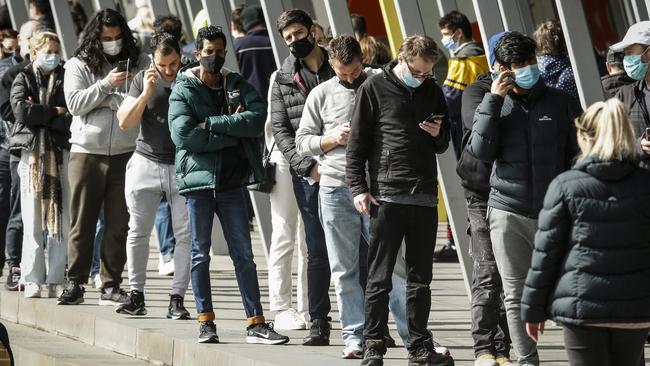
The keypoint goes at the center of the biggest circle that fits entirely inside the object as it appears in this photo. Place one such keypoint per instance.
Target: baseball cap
(492, 43)
(637, 33)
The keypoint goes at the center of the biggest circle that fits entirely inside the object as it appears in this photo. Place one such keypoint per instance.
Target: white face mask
(112, 48)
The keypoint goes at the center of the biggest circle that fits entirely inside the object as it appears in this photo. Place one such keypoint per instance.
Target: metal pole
(640, 9)
(516, 16)
(581, 52)
(159, 8)
(445, 6)
(193, 8)
(17, 12)
(103, 4)
(489, 21)
(185, 18)
(64, 28)
(272, 10)
(411, 22)
(339, 17)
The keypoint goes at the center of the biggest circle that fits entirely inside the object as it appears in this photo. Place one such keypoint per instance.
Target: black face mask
(356, 83)
(301, 48)
(212, 64)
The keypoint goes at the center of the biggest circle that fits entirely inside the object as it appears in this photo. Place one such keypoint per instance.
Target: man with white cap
(636, 97)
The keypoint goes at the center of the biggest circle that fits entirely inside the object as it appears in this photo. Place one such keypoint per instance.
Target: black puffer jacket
(531, 140)
(591, 262)
(31, 114)
(633, 97)
(385, 133)
(288, 95)
(474, 174)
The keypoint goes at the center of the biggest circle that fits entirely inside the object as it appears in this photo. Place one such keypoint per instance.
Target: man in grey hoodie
(94, 88)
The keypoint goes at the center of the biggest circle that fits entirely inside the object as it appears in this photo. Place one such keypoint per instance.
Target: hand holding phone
(503, 83)
(122, 65)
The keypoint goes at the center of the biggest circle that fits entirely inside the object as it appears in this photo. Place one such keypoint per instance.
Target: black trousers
(596, 346)
(417, 226)
(5, 201)
(14, 234)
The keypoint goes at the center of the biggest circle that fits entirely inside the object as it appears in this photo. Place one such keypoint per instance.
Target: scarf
(44, 162)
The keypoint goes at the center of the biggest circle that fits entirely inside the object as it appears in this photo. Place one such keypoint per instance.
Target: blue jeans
(165, 231)
(230, 207)
(318, 268)
(99, 236)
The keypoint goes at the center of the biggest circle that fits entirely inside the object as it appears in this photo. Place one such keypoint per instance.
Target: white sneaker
(53, 291)
(97, 281)
(352, 350)
(32, 290)
(289, 320)
(486, 360)
(166, 268)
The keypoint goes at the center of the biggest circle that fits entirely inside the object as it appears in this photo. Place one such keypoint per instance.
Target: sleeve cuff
(313, 144)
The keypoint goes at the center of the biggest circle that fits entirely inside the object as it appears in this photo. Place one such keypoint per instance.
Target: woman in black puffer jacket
(590, 270)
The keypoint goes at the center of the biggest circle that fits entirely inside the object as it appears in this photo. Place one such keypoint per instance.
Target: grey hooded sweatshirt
(93, 103)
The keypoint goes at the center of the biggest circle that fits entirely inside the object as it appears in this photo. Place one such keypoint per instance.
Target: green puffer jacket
(198, 150)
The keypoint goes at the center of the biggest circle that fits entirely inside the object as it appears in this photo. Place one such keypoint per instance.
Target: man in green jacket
(215, 118)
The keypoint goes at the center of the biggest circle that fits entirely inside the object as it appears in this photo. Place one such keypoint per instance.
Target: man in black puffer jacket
(527, 130)
(489, 324)
(306, 67)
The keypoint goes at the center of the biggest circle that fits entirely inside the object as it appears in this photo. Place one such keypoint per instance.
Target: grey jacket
(93, 103)
(328, 106)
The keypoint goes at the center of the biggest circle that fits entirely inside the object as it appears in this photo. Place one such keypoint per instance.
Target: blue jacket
(255, 59)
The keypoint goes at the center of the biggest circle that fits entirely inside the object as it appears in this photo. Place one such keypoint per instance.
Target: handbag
(267, 183)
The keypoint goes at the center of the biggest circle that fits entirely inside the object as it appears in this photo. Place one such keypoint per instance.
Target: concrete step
(35, 347)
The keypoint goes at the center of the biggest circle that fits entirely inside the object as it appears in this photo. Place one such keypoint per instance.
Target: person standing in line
(306, 67)
(467, 61)
(591, 261)
(215, 119)
(150, 176)
(552, 57)
(398, 125)
(524, 129)
(41, 134)
(616, 77)
(94, 86)
(489, 324)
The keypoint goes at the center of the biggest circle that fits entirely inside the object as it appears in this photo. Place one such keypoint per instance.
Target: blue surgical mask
(527, 77)
(47, 61)
(634, 66)
(409, 80)
(449, 42)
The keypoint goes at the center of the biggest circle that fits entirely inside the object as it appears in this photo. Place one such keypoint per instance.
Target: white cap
(637, 33)
(141, 3)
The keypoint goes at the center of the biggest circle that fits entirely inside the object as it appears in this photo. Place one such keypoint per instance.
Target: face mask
(356, 83)
(449, 42)
(408, 78)
(634, 66)
(112, 48)
(301, 48)
(212, 64)
(527, 77)
(47, 61)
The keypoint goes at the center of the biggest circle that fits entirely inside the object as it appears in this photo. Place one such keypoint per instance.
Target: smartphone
(122, 65)
(373, 210)
(647, 134)
(433, 117)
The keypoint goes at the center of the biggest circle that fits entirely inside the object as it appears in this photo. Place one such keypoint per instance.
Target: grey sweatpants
(512, 238)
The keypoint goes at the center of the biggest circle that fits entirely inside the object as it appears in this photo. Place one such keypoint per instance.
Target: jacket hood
(605, 170)
(552, 66)
(470, 49)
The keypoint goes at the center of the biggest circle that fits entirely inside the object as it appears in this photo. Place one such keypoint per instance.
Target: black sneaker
(135, 305)
(13, 280)
(208, 332)
(389, 342)
(176, 310)
(263, 333)
(73, 294)
(319, 333)
(114, 296)
(446, 254)
(373, 354)
(424, 356)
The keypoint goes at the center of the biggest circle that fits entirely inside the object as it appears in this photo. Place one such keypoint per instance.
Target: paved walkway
(155, 338)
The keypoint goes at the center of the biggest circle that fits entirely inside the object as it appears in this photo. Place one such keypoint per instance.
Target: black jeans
(14, 235)
(5, 201)
(318, 266)
(417, 226)
(595, 346)
(489, 323)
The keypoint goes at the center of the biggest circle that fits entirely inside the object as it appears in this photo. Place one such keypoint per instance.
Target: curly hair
(514, 48)
(345, 49)
(211, 33)
(549, 38)
(90, 48)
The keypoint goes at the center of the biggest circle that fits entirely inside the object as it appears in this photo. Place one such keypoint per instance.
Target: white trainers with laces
(289, 320)
(53, 291)
(97, 281)
(352, 350)
(32, 290)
